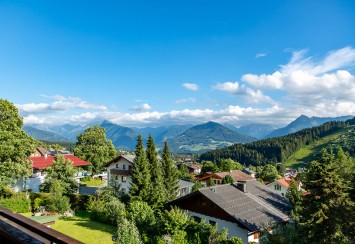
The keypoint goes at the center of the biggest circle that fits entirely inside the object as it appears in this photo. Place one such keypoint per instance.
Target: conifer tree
(140, 186)
(327, 214)
(157, 195)
(170, 174)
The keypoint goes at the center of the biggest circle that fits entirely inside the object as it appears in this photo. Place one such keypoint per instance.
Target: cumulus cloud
(190, 86)
(142, 107)
(231, 87)
(311, 81)
(60, 104)
(249, 95)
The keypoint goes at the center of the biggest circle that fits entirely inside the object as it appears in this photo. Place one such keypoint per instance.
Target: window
(130, 167)
(116, 177)
(275, 187)
(197, 219)
(124, 166)
(117, 166)
(124, 178)
(212, 222)
(203, 203)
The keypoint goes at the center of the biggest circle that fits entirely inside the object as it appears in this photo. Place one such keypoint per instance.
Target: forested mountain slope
(277, 149)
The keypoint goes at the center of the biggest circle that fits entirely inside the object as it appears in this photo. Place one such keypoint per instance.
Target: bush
(78, 202)
(18, 205)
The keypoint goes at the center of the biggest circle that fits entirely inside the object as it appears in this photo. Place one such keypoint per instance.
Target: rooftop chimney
(242, 185)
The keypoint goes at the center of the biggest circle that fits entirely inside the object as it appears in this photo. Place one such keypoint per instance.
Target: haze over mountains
(181, 138)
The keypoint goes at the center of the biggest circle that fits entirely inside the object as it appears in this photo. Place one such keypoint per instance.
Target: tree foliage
(274, 149)
(63, 171)
(227, 179)
(229, 164)
(127, 232)
(269, 173)
(57, 202)
(15, 147)
(170, 174)
(141, 180)
(209, 166)
(92, 146)
(327, 214)
(158, 193)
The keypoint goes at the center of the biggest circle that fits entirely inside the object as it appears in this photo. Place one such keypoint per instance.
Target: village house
(119, 171)
(192, 167)
(39, 163)
(244, 208)
(281, 186)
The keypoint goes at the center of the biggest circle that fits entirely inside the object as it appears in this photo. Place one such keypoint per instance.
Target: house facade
(244, 208)
(281, 186)
(38, 175)
(119, 171)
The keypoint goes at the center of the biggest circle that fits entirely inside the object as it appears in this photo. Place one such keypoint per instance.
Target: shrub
(18, 205)
(78, 202)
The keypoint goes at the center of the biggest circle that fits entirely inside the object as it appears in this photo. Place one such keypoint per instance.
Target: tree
(227, 179)
(58, 202)
(327, 213)
(295, 197)
(143, 216)
(197, 185)
(157, 195)
(209, 166)
(63, 171)
(127, 232)
(92, 146)
(228, 165)
(15, 145)
(210, 182)
(141, 186)
(269, 173)
(170, 174)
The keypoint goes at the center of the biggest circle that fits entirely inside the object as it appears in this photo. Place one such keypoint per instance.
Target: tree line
(273, 150)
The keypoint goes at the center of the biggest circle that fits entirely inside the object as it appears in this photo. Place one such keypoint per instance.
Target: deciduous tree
(15, 145)
(92, 146)
(269, 173)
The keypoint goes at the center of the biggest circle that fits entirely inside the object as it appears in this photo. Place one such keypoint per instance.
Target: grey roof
(184, 184)
(129, 157)
(253, 209)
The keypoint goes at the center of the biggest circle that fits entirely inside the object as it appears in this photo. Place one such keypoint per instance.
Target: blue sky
(139, 63)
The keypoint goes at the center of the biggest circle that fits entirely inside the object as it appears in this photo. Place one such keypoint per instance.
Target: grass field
(85, 230)
(308, 153)
(93, 182)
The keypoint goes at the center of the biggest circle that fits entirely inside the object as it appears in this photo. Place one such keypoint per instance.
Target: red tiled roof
(44, 162)
(286, 182)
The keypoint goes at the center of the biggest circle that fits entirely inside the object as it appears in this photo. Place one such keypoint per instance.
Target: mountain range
(181, 138)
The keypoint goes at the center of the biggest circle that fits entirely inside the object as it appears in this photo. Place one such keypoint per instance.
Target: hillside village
(141, 190)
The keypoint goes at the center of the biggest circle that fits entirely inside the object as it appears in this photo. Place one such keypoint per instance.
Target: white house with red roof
(281, 186)
(38, 176)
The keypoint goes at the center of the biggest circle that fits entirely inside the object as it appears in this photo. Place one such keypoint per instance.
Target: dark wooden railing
(15, 228)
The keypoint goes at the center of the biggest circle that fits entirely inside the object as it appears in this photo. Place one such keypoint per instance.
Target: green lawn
(85, 230)
(93, 182)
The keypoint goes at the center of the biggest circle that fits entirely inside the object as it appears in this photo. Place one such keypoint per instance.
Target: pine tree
(327, 214)
(295, 198)
(157, 195)
(140, 186)
(170, 174)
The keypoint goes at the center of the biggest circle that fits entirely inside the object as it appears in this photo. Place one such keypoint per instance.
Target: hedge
(18, 205)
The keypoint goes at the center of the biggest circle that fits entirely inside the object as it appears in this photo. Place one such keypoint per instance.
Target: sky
(152, 63)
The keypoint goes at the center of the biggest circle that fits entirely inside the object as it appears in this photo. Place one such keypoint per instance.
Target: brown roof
(237, 175)
(129, 157)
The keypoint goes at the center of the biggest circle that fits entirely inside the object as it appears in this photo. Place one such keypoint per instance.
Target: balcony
(15, 228)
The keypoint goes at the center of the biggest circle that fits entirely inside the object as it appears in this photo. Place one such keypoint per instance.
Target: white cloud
(186, 100)
(231, 87)
(190, 86)
(308, 81)
(260, 55)
(60, 104)
(142, 107)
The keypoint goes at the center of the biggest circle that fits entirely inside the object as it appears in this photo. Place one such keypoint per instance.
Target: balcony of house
(15, 228)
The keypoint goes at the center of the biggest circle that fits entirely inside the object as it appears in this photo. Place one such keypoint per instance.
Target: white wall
(121, 162)
(280, 189)
(233, 228)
